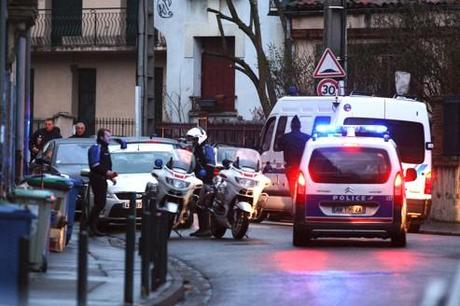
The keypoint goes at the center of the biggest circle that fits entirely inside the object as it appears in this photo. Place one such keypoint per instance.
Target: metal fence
(118, 126)
(89, 28)
(237, 134)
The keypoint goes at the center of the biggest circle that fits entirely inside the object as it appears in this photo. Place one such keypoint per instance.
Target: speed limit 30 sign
(327, 87)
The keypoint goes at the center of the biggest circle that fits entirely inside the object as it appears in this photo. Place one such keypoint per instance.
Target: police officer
(293, 144)
(205, 160)
(100, 164)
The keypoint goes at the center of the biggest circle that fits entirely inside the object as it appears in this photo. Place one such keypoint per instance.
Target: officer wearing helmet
(205, 160)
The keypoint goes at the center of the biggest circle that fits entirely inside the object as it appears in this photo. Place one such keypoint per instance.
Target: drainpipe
(21, 60)
(3, 41)
(27, 110)
(140, 69)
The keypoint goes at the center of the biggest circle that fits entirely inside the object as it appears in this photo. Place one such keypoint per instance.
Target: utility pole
(146, 65)
(335, 31)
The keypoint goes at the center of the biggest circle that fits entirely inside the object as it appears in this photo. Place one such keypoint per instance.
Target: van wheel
(300, 237)
(414, 226)
(398, 240)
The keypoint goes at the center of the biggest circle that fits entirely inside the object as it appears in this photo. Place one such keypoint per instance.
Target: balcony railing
(88, 29)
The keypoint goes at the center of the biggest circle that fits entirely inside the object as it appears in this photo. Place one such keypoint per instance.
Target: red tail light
(428, 183)
(301, 185)
(398, 189)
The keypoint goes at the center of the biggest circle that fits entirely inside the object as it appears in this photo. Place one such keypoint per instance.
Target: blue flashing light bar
(345, 130)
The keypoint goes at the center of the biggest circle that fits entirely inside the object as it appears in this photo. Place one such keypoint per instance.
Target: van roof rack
(356, 93)
(409, 98)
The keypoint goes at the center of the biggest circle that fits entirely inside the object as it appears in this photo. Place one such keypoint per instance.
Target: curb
(170, 296)
(438, 232)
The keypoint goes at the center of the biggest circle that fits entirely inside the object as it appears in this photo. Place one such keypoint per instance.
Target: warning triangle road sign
(328, 66)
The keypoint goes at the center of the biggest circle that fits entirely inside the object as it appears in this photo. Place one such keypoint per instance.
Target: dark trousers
(292, 174)
(203, 214)
(99, 187)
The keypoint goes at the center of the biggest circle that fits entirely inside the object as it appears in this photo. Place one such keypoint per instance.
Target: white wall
(190, 20)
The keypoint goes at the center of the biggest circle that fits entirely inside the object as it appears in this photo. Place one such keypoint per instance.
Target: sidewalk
(58, 286)
(440, 228)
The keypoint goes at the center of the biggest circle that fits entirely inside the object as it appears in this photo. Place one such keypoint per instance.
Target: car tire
(300, 237)
(414, 226)
(399, 239)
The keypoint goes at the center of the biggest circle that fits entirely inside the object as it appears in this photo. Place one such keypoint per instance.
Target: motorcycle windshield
(247, 160)
(182, 161)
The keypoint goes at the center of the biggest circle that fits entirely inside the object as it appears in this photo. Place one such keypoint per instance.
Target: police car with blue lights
(351, 184)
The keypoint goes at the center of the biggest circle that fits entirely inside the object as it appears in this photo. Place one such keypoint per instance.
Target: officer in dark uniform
(205, 160)
(100, 164)
(293, 144)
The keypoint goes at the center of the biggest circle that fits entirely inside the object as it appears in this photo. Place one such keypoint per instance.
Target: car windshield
(137, 161)
(349, 165)
(182, 160)
(226, 153)
(247, 159)
(72, 154)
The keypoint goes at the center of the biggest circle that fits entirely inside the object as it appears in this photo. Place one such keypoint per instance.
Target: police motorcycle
(236, 193)
(177, 185)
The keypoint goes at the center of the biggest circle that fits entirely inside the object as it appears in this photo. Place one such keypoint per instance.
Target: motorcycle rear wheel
(217, 230)
(240, 224)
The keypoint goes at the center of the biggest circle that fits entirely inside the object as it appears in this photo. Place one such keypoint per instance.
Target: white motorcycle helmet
(198, 133)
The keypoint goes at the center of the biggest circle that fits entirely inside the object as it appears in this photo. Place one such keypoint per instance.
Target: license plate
(349, 210)
(138, 204)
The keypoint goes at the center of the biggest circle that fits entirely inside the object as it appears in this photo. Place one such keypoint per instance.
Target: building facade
(84, 57)
(199, 82)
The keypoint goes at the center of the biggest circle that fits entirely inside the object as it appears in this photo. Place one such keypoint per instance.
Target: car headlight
(179, 184)
(246, 183)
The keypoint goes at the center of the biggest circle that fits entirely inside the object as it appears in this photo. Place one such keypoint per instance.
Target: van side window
(280, 129)
(268, 134)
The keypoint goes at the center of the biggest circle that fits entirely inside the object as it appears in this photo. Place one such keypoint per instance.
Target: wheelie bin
(60, 186)
(72, 196)
(40, 203)
(14, 224)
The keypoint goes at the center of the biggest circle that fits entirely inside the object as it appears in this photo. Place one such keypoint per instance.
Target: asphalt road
(265, 269)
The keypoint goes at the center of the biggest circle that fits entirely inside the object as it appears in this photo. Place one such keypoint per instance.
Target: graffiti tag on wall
(164, 8)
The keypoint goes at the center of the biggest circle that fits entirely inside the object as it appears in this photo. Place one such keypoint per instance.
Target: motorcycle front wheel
(240, 224)
(217, 230)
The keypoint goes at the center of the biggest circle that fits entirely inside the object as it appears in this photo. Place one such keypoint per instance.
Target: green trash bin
(40, 203)
(60, 186)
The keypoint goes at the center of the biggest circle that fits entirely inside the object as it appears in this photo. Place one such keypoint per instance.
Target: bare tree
(262, 80)
(422, 39)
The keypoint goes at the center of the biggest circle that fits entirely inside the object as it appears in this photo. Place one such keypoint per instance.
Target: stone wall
(446, 173)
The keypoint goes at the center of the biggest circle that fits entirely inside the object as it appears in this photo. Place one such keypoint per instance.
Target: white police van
(406, 120)
(351, 184)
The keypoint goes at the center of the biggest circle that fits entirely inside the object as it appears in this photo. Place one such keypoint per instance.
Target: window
(349, 165)
(72, 154)
(280, 130)
(409, 136)
(451, 132)
(267, 134)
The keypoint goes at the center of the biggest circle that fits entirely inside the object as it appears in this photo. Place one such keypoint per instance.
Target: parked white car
(134, 166)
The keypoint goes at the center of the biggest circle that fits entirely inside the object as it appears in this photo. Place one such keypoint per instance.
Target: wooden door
(218, 73)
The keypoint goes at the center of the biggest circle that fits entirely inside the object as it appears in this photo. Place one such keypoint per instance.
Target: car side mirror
(226, 163)
(85, 172)
(158, 164)
(411, 175)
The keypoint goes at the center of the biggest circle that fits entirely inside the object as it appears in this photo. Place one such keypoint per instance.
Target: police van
(407, 121)
(350, 186)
